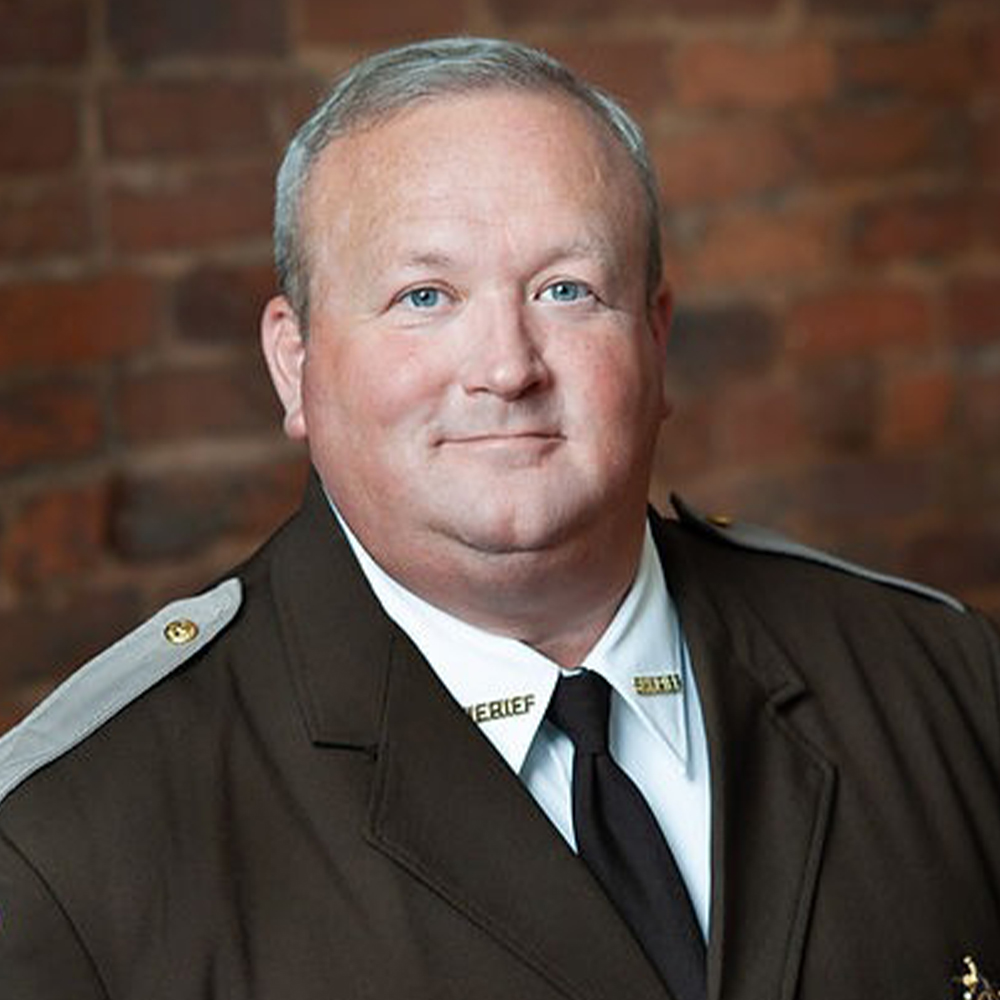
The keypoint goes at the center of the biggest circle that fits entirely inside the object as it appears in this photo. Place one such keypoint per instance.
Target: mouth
(504, 438)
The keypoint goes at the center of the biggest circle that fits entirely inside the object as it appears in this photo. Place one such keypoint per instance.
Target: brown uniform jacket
(299, 811)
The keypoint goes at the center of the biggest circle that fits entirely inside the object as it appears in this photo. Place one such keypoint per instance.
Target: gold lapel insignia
(501, 708)
(975, 986)
(658, 684)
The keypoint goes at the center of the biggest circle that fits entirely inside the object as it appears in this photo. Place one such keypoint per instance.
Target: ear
(661, 311)
(284, 348)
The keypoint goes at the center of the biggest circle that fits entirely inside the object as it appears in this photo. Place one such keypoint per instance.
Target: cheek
(619, 386)
(380, 386)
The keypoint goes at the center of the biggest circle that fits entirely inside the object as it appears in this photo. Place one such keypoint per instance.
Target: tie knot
(579, 707)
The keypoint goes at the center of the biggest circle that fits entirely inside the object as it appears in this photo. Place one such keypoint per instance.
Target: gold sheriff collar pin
(649, 684)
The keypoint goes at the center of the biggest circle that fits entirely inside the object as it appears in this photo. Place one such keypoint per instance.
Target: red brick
(75, 322)
(177, 117)
(991, 57)
(217, 304)
(183, 404)
(636, 72)
(920, 226)
(143, 30)
(874, 8)
(955, 559)
(48, 423)
(838, 404)
(743, 245)
(41, 129)
(757, 422)
(43, 32)
(942, 68)
(724, 161)
(987, 146)
(714, 343)
(43, 642)
(184, 513)
(974, 309)
(295, 99)
(195, 212)
(12, 710)
(981, 410)
(521, 11)
(55, 535)
(324, 23)
(857, 320)
(850, 494)
(685, 446)
(873, 142)
(51, 220)
(917, 408)
(991, 218)
(270, 494)
(719, 74)
(171, 516)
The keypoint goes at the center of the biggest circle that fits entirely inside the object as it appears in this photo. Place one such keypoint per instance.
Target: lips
(502, 440)
(500, 436)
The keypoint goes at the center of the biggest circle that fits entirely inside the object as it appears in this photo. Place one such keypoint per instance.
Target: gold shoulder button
(180, 631)
(720, 520)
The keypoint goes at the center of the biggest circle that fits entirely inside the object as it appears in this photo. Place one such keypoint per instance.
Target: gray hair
(389, 81)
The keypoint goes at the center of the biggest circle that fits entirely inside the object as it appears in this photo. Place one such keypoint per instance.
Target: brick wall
(832, 179)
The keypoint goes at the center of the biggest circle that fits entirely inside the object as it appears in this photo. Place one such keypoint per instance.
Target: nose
(504, 358)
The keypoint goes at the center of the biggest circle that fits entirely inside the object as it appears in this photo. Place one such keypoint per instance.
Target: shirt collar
(505, 686)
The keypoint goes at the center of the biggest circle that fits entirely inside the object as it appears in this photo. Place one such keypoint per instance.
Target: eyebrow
(428, 258)
(576, 250)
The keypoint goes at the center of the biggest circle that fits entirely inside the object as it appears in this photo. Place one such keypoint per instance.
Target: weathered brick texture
(76, 322)
(715, 161)
(729, 75)
(51, 33)
(179, 117)
(848, 321)
(220, 207)
(147, 30)
(41, 126)
(47, 220)
(218, 304)
(325, 23)
(831, 176)
(48, 423)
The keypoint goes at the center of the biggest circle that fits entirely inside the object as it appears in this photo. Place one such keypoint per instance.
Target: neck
(557, 602)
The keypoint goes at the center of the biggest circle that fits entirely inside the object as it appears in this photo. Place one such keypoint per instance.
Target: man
(332, 775)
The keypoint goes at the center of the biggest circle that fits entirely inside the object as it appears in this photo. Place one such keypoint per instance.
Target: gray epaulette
(758, 539)
(113, 679)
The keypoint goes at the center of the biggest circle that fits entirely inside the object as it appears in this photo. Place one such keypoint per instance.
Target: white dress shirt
(505, 686)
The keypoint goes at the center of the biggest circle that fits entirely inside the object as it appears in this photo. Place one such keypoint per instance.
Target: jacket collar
(338, 638)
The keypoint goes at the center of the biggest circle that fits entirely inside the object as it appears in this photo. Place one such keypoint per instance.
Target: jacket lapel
(771, 790)
(448, 809)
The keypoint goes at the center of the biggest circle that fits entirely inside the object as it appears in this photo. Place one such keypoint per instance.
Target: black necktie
(622, 844)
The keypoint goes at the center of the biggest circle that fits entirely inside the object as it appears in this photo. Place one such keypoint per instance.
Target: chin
(517, 530)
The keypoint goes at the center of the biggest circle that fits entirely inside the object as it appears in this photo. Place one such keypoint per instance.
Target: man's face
(483, 369)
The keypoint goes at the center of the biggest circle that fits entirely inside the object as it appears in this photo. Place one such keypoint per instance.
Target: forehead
(475, 157)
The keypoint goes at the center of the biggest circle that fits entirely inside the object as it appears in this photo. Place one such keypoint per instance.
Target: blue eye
(423, 298)
(566, 291)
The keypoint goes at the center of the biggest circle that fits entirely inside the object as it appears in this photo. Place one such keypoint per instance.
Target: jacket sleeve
(41, 956)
